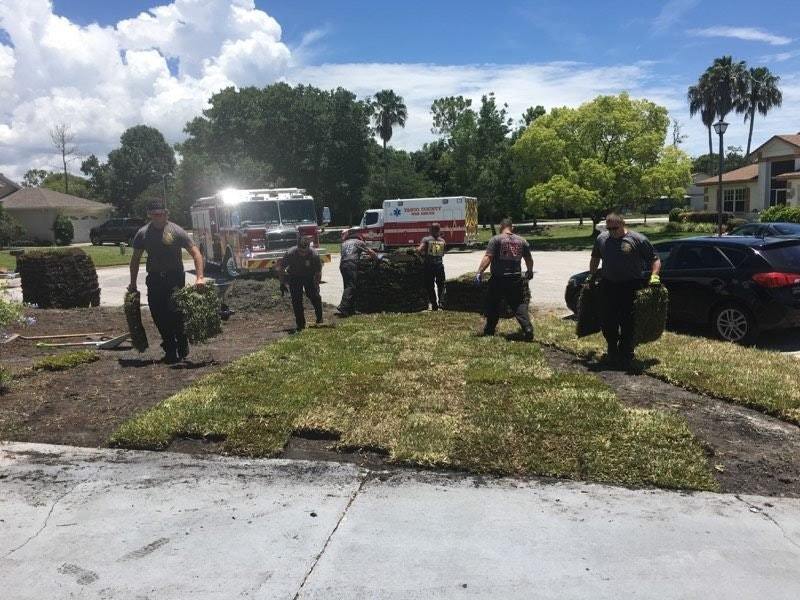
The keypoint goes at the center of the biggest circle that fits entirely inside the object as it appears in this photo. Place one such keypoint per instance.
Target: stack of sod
(200, 308)
(394, 286)
(650, 313)
(64, 278)
(133, 314)
(464, 295)
(589, 310)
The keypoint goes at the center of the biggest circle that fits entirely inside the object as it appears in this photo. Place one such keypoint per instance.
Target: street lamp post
(720, 127)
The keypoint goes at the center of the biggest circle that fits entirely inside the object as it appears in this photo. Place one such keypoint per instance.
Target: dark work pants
(160, 287)
(349, 271)
(296, 287)
(435, 281)
(511, 290)
(617, 317)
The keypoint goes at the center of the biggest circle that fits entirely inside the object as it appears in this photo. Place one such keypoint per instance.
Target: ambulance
(405, 222)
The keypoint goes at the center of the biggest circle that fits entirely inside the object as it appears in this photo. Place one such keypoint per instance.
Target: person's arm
(651, 256)
(134, 267)
(597, 256)
(197, 256)
(421, 248)
(485, 262)
(526, 255)
(282, 273)
(318, 272)
(594, 264)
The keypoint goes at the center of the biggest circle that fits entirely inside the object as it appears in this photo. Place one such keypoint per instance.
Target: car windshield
(788, 228)
(258, 213)
(370, 218)
(784, 258)
(298, 211)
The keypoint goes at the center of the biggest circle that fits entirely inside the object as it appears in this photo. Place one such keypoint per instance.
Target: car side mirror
(326, 215)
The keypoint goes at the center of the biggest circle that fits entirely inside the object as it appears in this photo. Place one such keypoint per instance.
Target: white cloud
(749, 34)
(672, 12)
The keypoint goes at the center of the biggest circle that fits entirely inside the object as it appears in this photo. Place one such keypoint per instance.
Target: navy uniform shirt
(163, 247)
(507, 250)
(624, 259)
(298, 266)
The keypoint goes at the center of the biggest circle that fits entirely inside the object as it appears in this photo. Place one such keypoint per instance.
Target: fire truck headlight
(230, 196)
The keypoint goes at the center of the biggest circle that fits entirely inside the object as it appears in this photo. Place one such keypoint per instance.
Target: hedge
(781, 214)
(64, 278)
(703, 217)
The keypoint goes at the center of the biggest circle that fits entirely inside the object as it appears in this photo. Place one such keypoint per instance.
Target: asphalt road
(80, 523)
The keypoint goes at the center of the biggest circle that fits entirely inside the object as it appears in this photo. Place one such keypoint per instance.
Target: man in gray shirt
(627, 259)
(164, 242)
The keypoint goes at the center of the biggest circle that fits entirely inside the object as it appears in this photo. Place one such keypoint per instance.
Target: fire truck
(405, 222)
(248, 231)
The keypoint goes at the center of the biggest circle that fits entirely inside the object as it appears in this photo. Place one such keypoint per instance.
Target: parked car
(737, 286)
(769, 230)
(115, 231)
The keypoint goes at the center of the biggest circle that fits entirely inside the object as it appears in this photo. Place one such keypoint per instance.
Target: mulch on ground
(751, 453)
(84, 405)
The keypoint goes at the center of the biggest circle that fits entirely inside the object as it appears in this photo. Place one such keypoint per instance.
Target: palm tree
(728, 81)
(762, 95)
(388, 110)
(701, 101)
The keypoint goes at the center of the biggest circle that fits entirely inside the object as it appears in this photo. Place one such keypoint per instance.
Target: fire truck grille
(281, 239)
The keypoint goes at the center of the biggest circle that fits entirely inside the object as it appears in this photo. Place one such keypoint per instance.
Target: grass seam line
(364, 480)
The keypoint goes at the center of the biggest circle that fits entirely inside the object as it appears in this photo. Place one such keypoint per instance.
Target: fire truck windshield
(258, 213)
(297, 211)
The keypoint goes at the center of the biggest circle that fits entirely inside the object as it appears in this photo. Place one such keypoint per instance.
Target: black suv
(739, 286)
(115, 231)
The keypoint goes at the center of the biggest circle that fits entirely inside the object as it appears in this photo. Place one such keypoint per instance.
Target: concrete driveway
(79, 523)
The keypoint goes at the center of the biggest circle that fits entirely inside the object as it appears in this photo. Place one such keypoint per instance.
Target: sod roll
(396, 285)
(63, 278)
(650, 309)
(464, 295)
(200, 307)
(133, 315)
(590, 306)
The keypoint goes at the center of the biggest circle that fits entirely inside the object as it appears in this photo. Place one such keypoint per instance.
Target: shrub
(784, 214)
(63, 231)
(675, 214)
(64, 278)
(10, 230)
(703, 217)
(5, 380)
(734, 223)
(66, 360)
(673, 227)
(10, 312)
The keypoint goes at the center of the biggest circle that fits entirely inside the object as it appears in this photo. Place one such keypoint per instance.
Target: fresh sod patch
(428, 391)
(102, 256)
(763, 380)
(66, 360)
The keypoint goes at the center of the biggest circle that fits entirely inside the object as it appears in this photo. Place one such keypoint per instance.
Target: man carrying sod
(504, 253)
(432, 250)
(627, 259)
(163, 241)
(352, 249)
(303, 267)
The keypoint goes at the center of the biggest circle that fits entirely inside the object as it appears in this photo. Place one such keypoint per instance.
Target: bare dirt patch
(84, 405)
(750, 452)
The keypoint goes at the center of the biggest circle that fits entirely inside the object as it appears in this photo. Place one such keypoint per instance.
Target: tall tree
(388, 111)
(728, 81)
(62, 137)
(33, 177)
(701, 100)
(762, 95)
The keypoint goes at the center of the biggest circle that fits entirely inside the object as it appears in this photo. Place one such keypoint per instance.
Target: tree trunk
(66, 181)
(385, 171)
(710, 145)
(594, 233)
(750, 134)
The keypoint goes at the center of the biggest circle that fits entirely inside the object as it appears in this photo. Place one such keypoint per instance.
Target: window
(788, 228)
(701, 257)
(298, 211)
(258, 213)
(370, 219)
(736, 255)
(735, 200)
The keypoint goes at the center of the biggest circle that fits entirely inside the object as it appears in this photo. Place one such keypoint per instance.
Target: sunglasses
(613, 228)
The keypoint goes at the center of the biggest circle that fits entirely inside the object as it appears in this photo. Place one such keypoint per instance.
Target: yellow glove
(655, 279)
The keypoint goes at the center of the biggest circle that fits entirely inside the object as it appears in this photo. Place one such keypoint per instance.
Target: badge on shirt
(626, 247)
(167, 237)
(308, 263)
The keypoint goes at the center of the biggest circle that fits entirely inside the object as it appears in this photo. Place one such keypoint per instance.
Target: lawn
(760, 379)
(428, 391)
(103, 256)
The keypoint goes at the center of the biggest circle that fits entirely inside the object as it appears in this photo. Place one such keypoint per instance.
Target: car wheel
(229, 266)
(95, 240)
(734, 323)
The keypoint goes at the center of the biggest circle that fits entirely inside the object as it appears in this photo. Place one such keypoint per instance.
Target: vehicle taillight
(776, 280)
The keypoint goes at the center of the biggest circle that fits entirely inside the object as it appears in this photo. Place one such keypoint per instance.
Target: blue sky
(547, 52)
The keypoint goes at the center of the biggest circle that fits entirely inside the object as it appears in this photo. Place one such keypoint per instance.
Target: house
(772, 179)
(36, 210)
(7, 187)
(695, 194)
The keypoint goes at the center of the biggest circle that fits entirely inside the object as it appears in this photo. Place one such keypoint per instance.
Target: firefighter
(504, 253)
(628, 260)
(303, 267)
(163, 241)
(431, 247)
(352, 249)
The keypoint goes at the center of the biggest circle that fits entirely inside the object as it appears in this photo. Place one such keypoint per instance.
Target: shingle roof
(790, 175)
(7, 187)
(35, 197)
(789, 138)
(745, 173)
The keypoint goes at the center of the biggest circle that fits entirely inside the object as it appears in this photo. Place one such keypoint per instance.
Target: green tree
(404, 181)
(33, 177)
(668, 178)
(77, 186)
(144, 158)
(388, 110)
(709, 163)
(762, 95)
(98, 176)
(728, 81)
(701, 100)
(598, 153)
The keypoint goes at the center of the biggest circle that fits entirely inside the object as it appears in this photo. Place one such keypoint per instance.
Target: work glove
(284, 289)
(655, 279)
(478, 278)
(529, 275)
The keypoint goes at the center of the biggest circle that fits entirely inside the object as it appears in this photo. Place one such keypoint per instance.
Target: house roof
(790, 175)
(7, 187)
(745, 173)
(35, 197)
(789, 138)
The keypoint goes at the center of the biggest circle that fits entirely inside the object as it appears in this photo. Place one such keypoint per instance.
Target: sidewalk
(118, 524)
